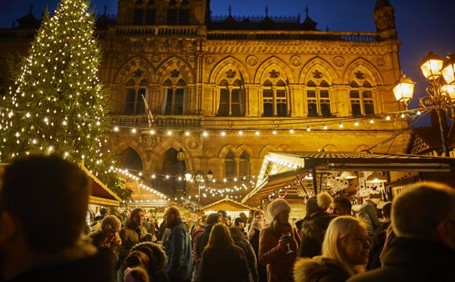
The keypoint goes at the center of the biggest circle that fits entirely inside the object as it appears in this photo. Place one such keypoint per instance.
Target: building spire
(384, 19)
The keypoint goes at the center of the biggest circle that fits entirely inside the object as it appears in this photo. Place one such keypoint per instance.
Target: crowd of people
(44, 236)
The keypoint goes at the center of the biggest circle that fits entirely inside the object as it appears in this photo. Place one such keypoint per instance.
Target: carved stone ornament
(251, 60)
(274, 74)
(380, 62)
(191, 59)
(156, 58)
(359, 75)
(175, 73)
(317, 74)
(230, 73)
(339, 61)
(209, 60)
(295, 61)
(137, 73)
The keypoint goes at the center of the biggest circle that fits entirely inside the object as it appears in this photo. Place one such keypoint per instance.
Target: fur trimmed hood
(158, 258)
(318, 269)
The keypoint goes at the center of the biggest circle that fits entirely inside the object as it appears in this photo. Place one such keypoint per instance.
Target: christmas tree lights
(57, 104)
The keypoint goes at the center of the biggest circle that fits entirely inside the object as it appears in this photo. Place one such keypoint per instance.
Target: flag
(150, 118)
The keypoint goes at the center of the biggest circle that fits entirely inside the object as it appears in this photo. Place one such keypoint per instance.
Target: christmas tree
(57, 104)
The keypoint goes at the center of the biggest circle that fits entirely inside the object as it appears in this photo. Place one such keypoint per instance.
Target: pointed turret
(384, 19)
(29, 20)
(308, 23)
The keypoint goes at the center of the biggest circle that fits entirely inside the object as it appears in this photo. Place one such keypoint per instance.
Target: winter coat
(131, 234)
(97, 239)
(203, 240)
(157, 260)
(413, 260)
(313, 232)
(262, 270)
(318, 269)
(223, 264)
(249, 255)
(279, 263)
(99, 267)
(178, 251)
(197, 235)
(369, 214)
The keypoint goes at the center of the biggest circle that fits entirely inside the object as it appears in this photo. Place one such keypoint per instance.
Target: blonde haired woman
(344, 253)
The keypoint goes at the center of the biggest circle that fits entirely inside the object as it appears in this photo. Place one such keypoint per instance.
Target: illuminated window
(174, 97)
(318, 99)
(229, 165)
(274, 99)
(232, 99)
(134, 103)
(361, 99)
(244, 165)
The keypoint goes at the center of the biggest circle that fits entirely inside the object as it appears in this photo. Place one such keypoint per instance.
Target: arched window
(361, 99)
(244, 165)
(232, 99)
(173, 168)
(130, 159)
(274, 99)
(229, 165)
(174, 97)
(318, 99)
(134, 102)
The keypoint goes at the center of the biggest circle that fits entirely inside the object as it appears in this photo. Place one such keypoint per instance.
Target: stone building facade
(224, 91)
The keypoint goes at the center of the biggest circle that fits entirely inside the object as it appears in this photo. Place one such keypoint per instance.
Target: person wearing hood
(314, 225)
(178, 248)
(345, 251)
(278, 243)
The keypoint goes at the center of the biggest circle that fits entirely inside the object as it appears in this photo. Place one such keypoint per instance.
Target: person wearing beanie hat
(278, 243)
(314, 224)
(277, 206)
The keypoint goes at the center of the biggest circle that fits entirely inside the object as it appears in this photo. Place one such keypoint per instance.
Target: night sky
(423, 25)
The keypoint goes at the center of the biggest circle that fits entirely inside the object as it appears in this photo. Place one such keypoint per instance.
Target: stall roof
(281, 168)
(100, 193)
(227, 204)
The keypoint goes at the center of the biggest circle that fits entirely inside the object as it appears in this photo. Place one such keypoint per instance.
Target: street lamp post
(199, 179)
(180, 159)
(440, 74)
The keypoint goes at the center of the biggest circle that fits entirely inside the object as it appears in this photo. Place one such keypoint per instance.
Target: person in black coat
(314, 225)
(423, 220)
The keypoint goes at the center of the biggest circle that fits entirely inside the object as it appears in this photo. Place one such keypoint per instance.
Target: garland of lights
(214, 192)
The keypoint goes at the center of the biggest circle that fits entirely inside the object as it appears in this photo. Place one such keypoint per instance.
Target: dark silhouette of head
(47, 197)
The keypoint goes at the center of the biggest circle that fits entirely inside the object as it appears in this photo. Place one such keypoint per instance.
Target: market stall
(296, 175)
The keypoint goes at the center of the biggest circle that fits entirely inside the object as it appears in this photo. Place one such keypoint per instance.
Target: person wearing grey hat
(278, 243)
